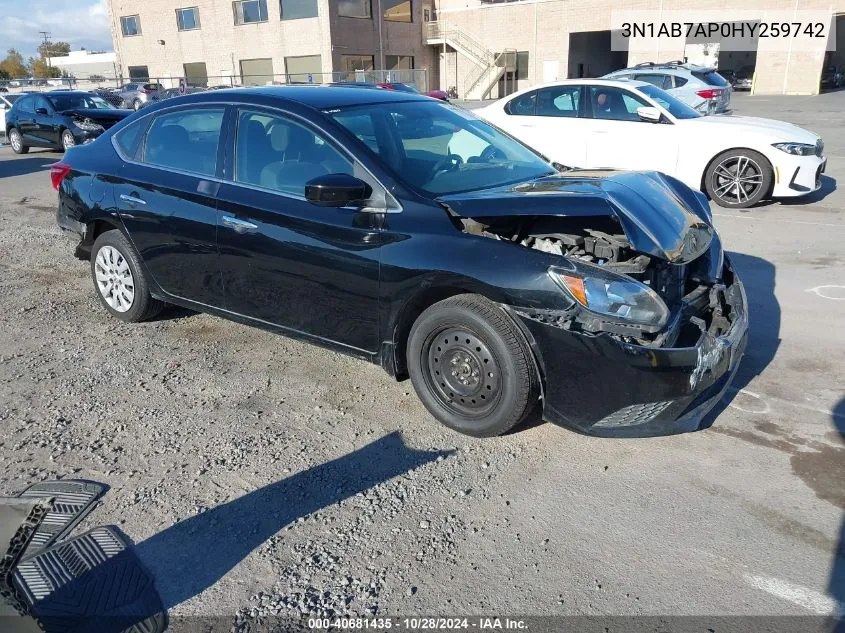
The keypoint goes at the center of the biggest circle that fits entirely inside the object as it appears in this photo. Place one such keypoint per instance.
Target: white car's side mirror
(649, 114)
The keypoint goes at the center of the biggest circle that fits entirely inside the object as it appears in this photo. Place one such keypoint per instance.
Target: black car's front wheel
(16, 141)
(67, 140)
(471, 366)
(738, 178)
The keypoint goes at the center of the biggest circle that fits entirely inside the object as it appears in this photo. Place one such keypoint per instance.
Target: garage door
(256, 72)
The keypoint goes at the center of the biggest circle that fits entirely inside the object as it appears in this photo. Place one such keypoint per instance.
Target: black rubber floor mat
(74, 499)
(93, 583)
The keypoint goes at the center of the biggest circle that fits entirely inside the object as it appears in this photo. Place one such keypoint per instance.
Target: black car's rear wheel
(738, 178)
(120, 280)
(471, 366)
(16, 141)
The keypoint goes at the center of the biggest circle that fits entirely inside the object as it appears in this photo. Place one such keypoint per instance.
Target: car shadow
(193, 554)
(25, 166)
(836, 586)
(758, 278)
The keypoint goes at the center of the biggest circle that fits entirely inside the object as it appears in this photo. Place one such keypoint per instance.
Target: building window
(397, 11)
(139, 73)
(188, 19)
(196, 73)
(304, 69)
(522, 65)
(249, 11)
(354, 8)
(130, 25)
(352, 63)
(256, 72)
(296, 9)
(399, 62)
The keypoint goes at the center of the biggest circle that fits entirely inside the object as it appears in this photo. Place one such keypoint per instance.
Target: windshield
(11, 98)
(440, 149)
(677, 109)
(78, 101)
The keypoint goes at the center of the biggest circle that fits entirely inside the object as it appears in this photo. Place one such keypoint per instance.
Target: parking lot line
(750, 217)
(814, 601)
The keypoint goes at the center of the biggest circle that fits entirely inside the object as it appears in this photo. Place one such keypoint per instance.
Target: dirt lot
(259, 475)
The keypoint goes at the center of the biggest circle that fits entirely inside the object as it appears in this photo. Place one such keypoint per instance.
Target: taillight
(709, 94)
(58, 171)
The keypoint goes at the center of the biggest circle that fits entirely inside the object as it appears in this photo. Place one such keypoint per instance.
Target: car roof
(619, 83)
(317, 96)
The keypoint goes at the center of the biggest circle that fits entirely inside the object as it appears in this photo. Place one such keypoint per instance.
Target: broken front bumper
(601, 385)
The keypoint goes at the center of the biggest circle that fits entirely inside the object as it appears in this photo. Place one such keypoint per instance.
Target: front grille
(819, 147)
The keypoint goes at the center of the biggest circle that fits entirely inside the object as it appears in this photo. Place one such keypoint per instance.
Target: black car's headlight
(611, 295)
(798, 149)
(88, 125)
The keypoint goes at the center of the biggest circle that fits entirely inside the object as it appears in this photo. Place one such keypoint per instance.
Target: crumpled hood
(659, 215)
(98, 114)
(774, 131)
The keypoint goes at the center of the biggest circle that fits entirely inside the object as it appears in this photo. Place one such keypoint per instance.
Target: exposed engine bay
(697, 304)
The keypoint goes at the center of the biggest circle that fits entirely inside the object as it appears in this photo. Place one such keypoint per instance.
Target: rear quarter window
(128, 139)
(711, 78)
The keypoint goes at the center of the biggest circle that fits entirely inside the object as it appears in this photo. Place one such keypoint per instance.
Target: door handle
(239, 226)
(132, 199)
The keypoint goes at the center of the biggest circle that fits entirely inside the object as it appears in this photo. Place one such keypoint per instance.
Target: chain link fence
(415, 78)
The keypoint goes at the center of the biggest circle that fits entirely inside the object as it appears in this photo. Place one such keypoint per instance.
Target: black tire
(67, 140)
(17, 147)
(142, 306)
(491, 401)
(724, 186)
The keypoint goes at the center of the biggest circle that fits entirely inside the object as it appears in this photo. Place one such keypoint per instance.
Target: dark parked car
(59, 120)
(412, 234)
(832, 77)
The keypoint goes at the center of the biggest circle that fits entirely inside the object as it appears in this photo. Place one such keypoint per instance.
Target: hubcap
(68, 140)
(114, 278)
(737, 179)
(462, 372)
(15, 139)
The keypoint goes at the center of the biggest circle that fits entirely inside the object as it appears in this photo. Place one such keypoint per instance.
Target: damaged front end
(651, 300)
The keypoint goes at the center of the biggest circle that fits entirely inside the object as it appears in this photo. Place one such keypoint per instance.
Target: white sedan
(620, 124)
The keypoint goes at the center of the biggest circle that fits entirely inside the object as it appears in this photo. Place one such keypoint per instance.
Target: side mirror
(336, 190)
(649, 114)
(41, 111)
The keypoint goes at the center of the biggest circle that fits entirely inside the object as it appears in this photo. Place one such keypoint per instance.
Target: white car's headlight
(611, 295)
(798, 149)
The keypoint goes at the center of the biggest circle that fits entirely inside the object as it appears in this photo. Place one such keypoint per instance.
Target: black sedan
(409, 233)
(59, 120)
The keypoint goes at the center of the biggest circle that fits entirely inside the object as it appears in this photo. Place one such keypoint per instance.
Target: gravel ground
(260, 476)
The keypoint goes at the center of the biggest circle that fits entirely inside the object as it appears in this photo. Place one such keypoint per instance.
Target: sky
(81, 23)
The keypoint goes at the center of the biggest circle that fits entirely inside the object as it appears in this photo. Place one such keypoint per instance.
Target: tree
(40, 69)
(46, 50)
(13, 64)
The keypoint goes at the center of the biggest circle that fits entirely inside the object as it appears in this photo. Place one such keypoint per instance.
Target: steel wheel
(114, 279)
(67, 140)
(737, 180)
(462, 372)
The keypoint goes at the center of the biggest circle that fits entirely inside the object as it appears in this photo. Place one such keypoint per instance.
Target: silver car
(701, 88)
(136, 94)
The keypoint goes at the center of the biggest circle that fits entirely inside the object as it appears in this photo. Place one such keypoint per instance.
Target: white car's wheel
(738, 178)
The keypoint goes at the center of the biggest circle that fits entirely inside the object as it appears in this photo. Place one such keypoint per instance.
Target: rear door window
(187, 140)
(655, 79)
(559, 101)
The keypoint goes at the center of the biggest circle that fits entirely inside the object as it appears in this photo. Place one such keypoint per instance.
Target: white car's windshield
(677, 109)
(439, 148)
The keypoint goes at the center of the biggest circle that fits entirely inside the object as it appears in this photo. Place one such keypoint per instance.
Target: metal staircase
(489, 65)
